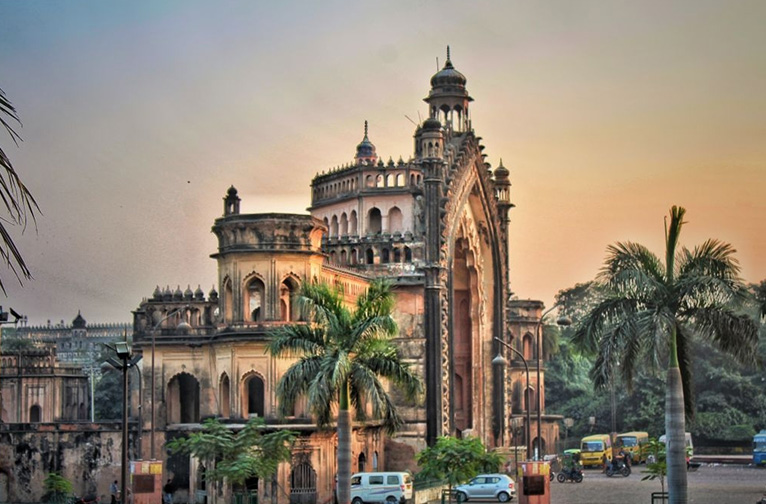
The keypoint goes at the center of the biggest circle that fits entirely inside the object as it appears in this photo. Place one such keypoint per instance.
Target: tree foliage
(58, 489)
(237, 455)
(456, 460)
(19, 204)
(345, 358)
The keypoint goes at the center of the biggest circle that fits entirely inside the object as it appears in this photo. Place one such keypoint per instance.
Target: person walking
(167, 492)
(114, 490)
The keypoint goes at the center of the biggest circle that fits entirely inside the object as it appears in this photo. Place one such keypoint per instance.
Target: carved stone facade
(436, 225)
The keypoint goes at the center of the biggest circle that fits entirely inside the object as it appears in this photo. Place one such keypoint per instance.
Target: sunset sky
(137, 116)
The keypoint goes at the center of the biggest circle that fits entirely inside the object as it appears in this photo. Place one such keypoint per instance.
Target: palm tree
(342, 354)
(650, 311)
(18, 201)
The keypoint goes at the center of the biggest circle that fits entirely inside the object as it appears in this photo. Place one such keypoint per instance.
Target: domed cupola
(502, 185)
(448, 99)
(365, 151)
(448, 77)
(79, 321)
(431, 139)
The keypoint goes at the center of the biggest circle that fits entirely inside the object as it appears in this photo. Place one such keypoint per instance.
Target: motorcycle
(618, 466)
(570, 475)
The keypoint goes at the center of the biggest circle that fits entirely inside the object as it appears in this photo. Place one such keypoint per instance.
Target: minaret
(448, 100)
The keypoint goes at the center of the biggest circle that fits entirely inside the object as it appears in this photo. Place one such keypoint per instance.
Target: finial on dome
(365, 128)
(448, 53)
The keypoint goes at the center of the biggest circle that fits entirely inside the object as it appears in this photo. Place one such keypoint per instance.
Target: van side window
(392, 479)
(376, 480)
(356, 480)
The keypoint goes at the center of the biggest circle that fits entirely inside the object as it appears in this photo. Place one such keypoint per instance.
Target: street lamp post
(562, 321)
(122, 349)
(499, 360)
(154, 333)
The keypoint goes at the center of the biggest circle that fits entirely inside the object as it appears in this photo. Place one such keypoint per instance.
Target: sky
(137, 117)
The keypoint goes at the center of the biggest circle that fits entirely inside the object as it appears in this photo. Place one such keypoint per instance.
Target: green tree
(58, 489)
(649, 311)
(342, 355)
(236, 456)
(19, 203)
(456, 460)
(656, 465)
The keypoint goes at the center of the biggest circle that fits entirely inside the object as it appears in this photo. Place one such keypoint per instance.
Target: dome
(501, 172)
(448, 76)
(365, 150)
(79, 321)
(431, 124)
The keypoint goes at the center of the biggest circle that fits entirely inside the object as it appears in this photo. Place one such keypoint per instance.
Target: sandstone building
(436, 225)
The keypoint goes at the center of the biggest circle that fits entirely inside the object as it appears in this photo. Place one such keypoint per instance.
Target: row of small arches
(346, 225)
(386, 255)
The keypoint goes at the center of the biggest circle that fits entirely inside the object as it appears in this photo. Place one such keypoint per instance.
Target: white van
(388, 487)
(687, 441)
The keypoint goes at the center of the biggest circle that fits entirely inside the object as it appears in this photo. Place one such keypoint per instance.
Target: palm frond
(294, 340)
(629, 263)
(296, 382)
(672, 234)
(599, 321)
(735, 334)
(19, 203)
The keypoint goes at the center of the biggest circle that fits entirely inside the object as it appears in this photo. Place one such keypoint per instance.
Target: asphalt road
(710, 484)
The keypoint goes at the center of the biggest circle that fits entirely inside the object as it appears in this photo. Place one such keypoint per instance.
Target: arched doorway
(183, 399)
(303, 484)
(253, 396)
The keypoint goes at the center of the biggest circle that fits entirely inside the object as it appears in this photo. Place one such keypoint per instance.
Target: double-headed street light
(499, 360)
(562, 321)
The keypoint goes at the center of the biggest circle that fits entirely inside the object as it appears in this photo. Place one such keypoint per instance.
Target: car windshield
(759, 445)
(592, 446)
(626, 441)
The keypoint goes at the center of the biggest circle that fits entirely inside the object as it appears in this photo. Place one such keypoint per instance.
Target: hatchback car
(487, 486)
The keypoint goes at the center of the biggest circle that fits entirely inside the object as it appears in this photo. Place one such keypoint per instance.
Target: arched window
(228, 301)
(397, 255)
(374, 221)
(380, 181)
(334, 226)
(352, 224)
(384, 255)
(254, 300)
(343, 257)
(400, 180)
(183, 399)
(370, 256)
(361, 462)
(288, 308)
(35, 414)
(225, 396)
(407, 254)
(343, 224)
(354, 258)
(390, 180)
(395, 220)
(527, 347)
(369, 181)
(254, 399)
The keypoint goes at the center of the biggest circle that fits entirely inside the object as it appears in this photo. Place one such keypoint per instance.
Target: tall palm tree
(18, 201)
(650, 311)
(342, 356)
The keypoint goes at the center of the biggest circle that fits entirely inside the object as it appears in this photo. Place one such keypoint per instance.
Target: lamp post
(562, 321)
(122, 349)
(154, 333)
(499, 360)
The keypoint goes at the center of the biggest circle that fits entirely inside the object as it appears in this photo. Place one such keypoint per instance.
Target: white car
(487, 486)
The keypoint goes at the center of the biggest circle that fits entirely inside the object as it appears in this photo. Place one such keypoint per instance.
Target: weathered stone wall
(87, 454)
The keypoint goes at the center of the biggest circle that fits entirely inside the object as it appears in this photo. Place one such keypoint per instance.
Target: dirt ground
(710, 484)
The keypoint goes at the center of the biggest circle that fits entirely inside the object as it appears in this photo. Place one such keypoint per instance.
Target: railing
(659, 497)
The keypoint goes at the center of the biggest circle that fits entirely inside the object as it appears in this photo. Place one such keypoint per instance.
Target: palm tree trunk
(344, 448)
(675, 440)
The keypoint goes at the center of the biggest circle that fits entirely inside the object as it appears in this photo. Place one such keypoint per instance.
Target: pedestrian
(114, 491)
(167, 492)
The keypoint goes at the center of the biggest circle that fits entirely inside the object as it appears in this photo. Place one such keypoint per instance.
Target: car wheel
(561, 477)
(503, 497)
(357, 500)
(390, 499)
(461, 497)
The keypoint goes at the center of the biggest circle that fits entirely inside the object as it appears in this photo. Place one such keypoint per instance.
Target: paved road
(710, 484)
